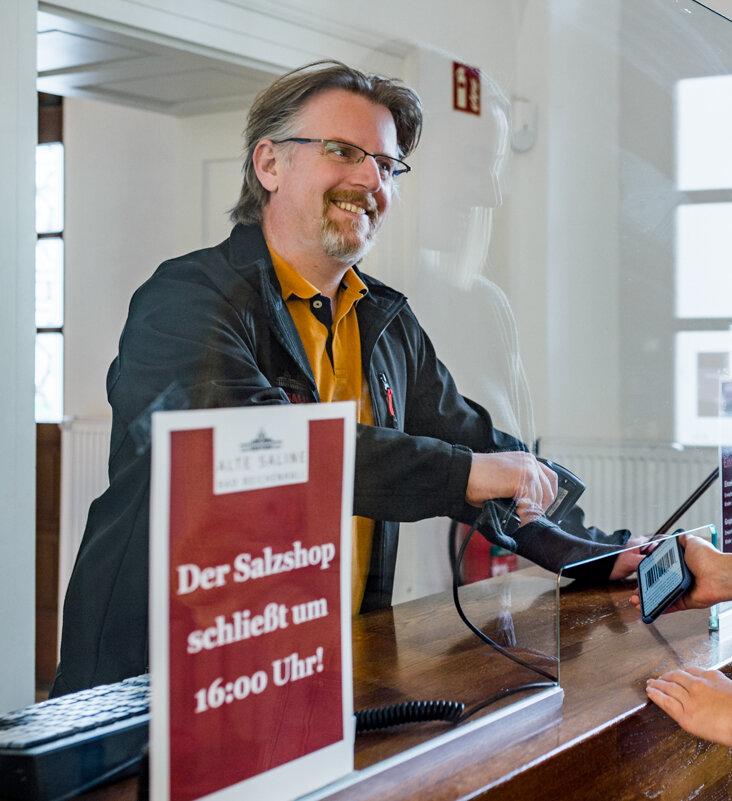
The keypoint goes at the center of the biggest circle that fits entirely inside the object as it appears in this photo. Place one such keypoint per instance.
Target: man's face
(331, 207)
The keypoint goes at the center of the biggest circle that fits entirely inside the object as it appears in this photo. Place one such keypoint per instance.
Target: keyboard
(59, 748)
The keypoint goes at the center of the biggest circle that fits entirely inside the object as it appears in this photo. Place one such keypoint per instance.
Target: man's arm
(445, 466)
(183, 346)
(429, 407)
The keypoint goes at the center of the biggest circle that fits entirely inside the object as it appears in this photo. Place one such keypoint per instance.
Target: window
(49, 261)
(703, 248)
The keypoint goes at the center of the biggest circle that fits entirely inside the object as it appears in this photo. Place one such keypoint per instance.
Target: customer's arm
(699, 700)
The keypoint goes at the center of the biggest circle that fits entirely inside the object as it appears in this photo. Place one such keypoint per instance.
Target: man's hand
(627, 562)
(513, 474)
(700, 701)
(712, 572)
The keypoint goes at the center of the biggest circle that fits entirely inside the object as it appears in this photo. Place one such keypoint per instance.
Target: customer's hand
(712, 573)
(700, 701)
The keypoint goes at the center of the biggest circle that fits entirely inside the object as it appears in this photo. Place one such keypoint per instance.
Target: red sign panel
(255, 649)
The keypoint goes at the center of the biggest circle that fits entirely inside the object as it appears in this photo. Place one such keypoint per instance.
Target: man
(276, 314)
(700, 701)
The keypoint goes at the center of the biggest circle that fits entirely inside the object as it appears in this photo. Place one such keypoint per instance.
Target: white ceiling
(77, 59)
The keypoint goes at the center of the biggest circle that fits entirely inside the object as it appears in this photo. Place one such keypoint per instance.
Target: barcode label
(656, 571)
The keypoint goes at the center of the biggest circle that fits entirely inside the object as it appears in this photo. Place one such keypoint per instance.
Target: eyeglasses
(346, 153)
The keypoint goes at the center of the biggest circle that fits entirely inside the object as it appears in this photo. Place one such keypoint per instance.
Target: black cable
(408, 712)
(452, 711)
(488, 512)
(504, 694)
(425, 711)
(452, 549)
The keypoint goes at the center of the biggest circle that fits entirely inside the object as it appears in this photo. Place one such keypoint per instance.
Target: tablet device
(662, 578)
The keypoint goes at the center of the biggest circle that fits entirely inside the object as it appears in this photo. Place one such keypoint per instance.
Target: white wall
(121, 201)
(141, 188)
(17, 429)
(523, 272)
(582, 283)
(209, 176)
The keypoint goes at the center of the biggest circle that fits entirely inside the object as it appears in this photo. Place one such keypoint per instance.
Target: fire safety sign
(465, 88)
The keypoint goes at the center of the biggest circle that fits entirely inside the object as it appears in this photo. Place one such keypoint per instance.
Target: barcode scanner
(569, 489)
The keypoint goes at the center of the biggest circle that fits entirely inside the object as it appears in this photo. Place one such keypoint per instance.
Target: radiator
(639, 485)
(84, 455)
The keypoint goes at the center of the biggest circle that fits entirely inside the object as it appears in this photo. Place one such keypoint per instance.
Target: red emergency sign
(465, 88)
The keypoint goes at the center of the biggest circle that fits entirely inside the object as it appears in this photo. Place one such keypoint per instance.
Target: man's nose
(367, 174)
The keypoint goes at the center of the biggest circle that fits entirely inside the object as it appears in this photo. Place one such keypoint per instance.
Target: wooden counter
(603, 742)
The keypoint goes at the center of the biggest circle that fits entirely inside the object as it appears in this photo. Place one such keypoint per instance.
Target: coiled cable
(408, 712)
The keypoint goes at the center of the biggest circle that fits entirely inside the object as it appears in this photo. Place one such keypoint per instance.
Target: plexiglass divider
(603, 592)
(497, 644)
(487, 651)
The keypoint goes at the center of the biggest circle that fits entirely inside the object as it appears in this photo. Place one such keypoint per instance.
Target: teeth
(342, 204)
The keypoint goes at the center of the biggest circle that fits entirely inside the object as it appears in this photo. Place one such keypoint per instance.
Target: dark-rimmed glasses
(346, 153)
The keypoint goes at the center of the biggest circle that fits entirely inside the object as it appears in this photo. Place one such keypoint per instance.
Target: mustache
(352, 196)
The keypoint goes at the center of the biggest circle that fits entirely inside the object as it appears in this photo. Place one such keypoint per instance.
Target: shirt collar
(293, 284)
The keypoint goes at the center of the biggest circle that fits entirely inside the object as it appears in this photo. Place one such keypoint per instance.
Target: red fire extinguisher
(481, 559)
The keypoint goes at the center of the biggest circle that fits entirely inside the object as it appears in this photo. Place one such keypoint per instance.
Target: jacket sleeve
(185, 345)
(575, 551)
(424, 472)
(420, 468)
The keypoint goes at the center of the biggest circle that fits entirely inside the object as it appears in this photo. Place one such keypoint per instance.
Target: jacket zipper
(389, 395)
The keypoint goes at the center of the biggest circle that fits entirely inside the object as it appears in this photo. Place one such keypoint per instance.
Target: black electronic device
(663, 577)
(62, 747)
(569, 489)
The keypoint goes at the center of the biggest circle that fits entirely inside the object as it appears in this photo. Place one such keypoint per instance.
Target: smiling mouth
(351, 207)
(358, 203)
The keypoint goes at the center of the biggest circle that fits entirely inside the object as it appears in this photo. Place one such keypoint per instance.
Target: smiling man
(280, 313)
(325, 206)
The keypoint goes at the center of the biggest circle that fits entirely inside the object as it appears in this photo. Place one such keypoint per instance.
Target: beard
(347, 241)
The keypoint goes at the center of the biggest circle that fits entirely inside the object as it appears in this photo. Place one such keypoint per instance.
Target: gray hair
(275, 115)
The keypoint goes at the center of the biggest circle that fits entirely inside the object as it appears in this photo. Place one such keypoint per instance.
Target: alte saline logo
(261, 443)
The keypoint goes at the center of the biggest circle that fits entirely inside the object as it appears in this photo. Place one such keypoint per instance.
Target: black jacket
(210, 329)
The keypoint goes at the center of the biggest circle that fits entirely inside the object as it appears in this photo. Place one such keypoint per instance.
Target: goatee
(337, 240)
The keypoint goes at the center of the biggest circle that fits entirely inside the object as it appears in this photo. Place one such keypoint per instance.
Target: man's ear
(267, 164)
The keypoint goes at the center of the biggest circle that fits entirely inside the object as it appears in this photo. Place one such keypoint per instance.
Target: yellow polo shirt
(333, 346)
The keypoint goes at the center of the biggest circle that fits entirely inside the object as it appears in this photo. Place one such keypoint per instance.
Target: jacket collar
(250, 257)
